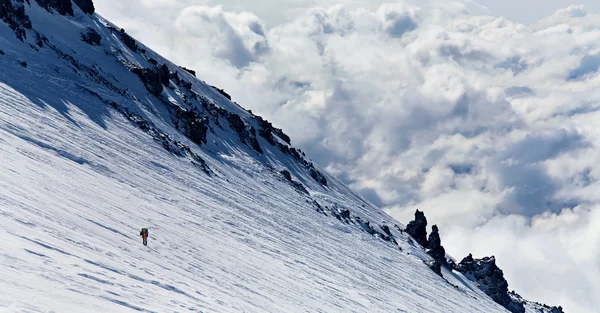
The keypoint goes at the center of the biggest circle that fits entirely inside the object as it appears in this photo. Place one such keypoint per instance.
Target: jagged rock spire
(417, 228)
(436, 250)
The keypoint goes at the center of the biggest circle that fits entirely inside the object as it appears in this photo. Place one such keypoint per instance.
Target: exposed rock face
(536, 306)
(62, 7)
(436, 267)
(345, 214)
(87, 6)
(267, 130)
(164, 74)
(288, 176)
(183, 83)
(417, 228)
(491, 280)
(127, 40)
(153, 79)
(436, 250)
(40, 40)
(387, 234)
(386, 230)
(189, 70)
(192, 123)
(91, 37)
(298, 156)
(317, 176)
(246, 134)
(13, 14)
(221, 91)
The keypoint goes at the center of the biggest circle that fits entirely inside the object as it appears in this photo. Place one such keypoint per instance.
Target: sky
(482, 114)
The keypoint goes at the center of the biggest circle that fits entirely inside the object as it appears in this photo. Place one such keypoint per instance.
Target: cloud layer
(487, 124)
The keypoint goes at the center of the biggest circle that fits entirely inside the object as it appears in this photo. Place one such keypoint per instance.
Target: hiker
(144, 234)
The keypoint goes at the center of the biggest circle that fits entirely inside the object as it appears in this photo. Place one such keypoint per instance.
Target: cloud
(486, 124)
(573, 11)
(520, 168)
(238, 38)
(589, 65)
(397, 19)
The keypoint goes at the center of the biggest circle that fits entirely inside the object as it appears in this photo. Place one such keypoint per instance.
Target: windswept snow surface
(78, 180)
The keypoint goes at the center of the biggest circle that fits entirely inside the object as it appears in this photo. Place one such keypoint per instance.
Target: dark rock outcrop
(193, 124)
(365, 225)
(221, 91)
(317, 176)
(150, 78)
(127, 40)
(387, 234)
(153, 79)
(417, 228)
(62, 7)
(91, 37)
(299, 157)
(163, 74)
(189, 70)
(286, 174)
(490, 279)
(13, 14)
(175, 77)
(40, 40)
(345, 214)
(167, 142)
(87, 6)
(536, 306)
(436, 267)
(266, 130)
(246, 134)
(436, 250)
(386, 229)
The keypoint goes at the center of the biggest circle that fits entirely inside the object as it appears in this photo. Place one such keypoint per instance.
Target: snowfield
(79, 179)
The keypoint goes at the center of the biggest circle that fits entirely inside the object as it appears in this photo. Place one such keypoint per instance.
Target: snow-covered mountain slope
(100, 136)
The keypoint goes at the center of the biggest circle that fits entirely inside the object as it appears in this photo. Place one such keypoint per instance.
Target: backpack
(144, 231)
